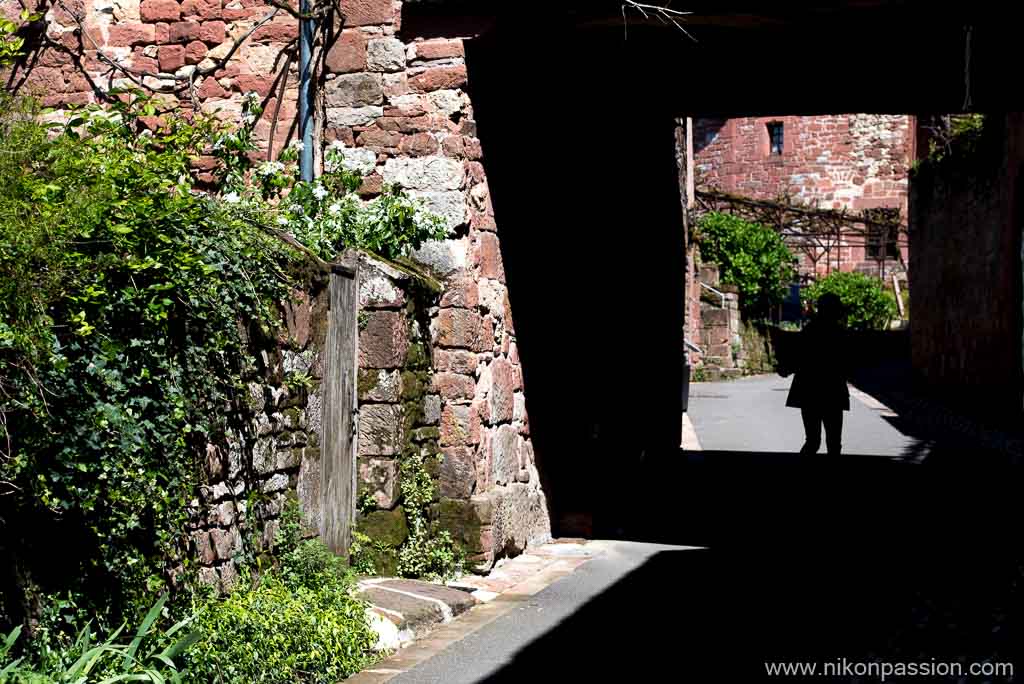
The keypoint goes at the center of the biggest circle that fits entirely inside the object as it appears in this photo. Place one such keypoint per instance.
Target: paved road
(536, 640)
(750, 414)
(659, 613)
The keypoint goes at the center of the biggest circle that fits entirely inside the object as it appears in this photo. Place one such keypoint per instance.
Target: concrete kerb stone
(404, 612)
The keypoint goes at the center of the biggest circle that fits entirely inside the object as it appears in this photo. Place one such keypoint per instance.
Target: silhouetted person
(819, 383)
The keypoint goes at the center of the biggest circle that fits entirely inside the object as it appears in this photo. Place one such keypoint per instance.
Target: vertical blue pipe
(305, 91)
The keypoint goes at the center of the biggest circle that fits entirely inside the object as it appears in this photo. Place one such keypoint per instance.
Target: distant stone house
(851, 162)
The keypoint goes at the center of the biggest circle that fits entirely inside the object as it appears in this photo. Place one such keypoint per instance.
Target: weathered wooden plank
(338, 467)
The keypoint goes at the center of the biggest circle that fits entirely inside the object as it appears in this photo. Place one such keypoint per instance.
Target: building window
(775, 138)
(882, 240)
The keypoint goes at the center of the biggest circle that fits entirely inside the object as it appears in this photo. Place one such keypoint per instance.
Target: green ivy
(751, 256)
(429, 552)
(129, 301)
(868, 305)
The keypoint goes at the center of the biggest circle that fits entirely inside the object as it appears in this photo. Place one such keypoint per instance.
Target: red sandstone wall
(845, 161)
(399, 107)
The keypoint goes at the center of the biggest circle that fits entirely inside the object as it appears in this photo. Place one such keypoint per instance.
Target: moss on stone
(384, 561)
(460, 519)
(386, 527)
(367, 381)
(417, 356)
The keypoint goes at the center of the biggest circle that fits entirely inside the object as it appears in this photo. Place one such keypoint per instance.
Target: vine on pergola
(815, 231)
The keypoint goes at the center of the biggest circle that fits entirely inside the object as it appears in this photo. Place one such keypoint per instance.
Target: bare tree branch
(664, 14)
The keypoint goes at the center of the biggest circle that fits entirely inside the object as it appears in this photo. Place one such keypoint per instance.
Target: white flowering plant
(327, 214)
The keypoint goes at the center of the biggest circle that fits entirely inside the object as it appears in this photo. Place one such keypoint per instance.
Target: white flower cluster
(270, 168)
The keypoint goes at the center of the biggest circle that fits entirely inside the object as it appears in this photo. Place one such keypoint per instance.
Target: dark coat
(819, 363)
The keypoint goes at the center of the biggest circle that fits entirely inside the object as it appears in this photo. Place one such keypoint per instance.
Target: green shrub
(750, 256)
(147, 655)
(128, 300)
(302, 623)
(867, 304)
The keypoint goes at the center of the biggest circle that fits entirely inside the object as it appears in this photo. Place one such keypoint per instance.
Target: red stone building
(851, 162)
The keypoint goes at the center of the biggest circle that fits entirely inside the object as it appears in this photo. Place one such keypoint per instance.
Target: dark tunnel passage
(582, 172)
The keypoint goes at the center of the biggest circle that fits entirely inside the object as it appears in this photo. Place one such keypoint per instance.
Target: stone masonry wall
(273, 455)
(844, 161)
(965, 222)
(398, 105)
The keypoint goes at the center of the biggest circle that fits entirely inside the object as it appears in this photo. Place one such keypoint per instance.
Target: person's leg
(834, 431)
(812, 430)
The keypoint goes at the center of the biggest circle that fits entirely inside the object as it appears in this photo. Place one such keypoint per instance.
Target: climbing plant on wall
(126, 299)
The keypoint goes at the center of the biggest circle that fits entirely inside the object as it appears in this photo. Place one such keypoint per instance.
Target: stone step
(404, 610)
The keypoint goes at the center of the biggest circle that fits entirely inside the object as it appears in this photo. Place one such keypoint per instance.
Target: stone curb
(416, 619)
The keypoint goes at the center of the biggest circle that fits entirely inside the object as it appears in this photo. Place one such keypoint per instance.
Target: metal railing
(717, 292)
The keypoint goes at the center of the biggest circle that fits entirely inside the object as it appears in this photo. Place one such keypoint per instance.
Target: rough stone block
(455, 361)
(492, 296)
(438, 78)
(438, 49)
(183, 31)
(425, 173)
(460, 292)
(385, 54)
(159, 10)
(203, 9)
(714, 317)
(448, 102)
(379, 476)
(348, 54)
(520, 518)
(432, 410)
(378, 290)
(383, 342)
(225, 542)
(353, 116)
(504, 455)
(458, 328)
(379, 385)
(367, 12)
(379, 140)
(501, 400)
(171, 57)
(213, 32)
(204, 547)
(418, 145)
(195, 52)
(441, 256)
(354, 90)
(460, 425)
(457, 476)
(461, 520)
(126, 35)
(380, 429)
(453, 387)
(488, 257)
(450, 205)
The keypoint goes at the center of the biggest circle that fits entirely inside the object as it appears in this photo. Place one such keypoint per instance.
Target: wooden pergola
(813, 230)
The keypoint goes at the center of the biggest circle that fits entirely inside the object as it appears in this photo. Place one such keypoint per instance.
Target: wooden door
(340, 412)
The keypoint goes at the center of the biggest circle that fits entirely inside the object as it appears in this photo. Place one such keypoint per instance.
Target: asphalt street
(750, 414)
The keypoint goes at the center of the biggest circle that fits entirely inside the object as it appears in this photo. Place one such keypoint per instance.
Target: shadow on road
(811, 560)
